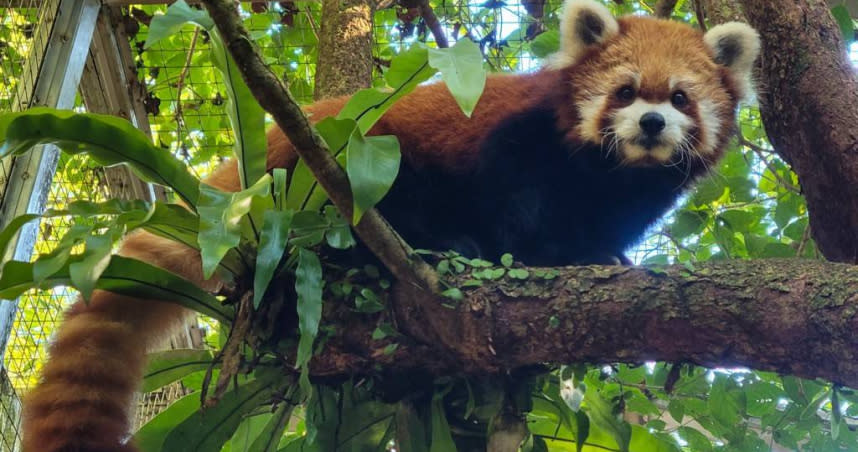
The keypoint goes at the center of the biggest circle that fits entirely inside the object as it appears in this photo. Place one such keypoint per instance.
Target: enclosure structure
(90, 55)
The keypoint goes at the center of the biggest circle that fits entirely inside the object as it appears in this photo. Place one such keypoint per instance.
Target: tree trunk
(808, 100)
(345, 48)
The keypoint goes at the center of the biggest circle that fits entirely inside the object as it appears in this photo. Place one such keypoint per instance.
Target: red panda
(569, 164)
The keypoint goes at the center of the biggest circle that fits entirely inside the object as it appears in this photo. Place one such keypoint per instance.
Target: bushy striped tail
(84, 401)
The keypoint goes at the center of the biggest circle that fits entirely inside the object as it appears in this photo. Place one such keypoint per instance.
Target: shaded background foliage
(750, 207)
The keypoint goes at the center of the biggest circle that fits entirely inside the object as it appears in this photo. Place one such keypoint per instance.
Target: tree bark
(344, 65)
(720, 11)
(789, 316)
(808, 100)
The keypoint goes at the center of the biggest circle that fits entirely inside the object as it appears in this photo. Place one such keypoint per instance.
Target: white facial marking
(711, 124)
(590, 111)
(626, 124)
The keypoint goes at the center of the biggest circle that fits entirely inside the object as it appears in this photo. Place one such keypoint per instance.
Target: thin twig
(761, 155)
(180, 84)
(434, 25)
(701, 16)
(805, 237)
(312, 21)
(274, 98)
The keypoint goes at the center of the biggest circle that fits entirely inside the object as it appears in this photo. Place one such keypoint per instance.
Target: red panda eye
(679, 99)
(626, 94)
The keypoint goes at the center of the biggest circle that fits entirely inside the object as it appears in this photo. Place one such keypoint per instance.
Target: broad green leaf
(410, 430)
(726, 401)
(108, 140)
(461, 68)
(124, 276)
(178, 14)
(270, 437)
(847, 29)
(245, 115)
(49, 264)
(151, 436)
(304, 191)
(442, 439)
(9, 232)
(221, 214)
(168, 366)
(407, 70)
(372, 166)
(339, 233)
(276, 225)
(643, 440)
(85, 271)
(697, 440)
(545, 44)
(308, 285)
(207, 430)
(248, 430)
(308, 228)
(602, 415)
(688, 222)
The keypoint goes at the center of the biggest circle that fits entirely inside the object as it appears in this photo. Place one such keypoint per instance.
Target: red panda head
(653, 91)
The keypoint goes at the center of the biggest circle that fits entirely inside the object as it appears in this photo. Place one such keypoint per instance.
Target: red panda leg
(84, 400)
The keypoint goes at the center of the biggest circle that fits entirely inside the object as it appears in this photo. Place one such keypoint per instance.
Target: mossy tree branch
(266, 87)
(796, 317)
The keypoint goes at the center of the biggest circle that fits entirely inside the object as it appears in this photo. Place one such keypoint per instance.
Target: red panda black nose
(652, 123)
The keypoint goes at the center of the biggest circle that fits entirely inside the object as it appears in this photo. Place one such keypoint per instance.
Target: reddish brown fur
(96, 362)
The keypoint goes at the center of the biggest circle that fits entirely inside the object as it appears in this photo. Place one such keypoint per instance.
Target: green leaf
(221, 214)
(372, 166)
(208, 430)
(151, 436)
(339, 233)
(688, 222)
(506, 260)
(9, 232)
(697, 440)
(461, 68)
(270, 437)
(108, 140)
(602, 415)
(308, 285)
(308, 228)
(124, 276)
(836, 415)
(304, 192)
(545, 43)
(84, 272)
(407, 70)
(178, 14)
(276, 225)
(726, 402)
(643, 440)
(518, 273)
(245, 115)
(582, 423)
(847, 27)
(442, 439)
(49, 264)
(168, 366)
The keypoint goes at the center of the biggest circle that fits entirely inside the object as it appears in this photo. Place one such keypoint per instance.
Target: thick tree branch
(373, 230)
(808, 103)
(790, 316)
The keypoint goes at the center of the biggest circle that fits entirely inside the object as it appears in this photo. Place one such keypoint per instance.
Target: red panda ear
(736, 46)
(583, 24)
